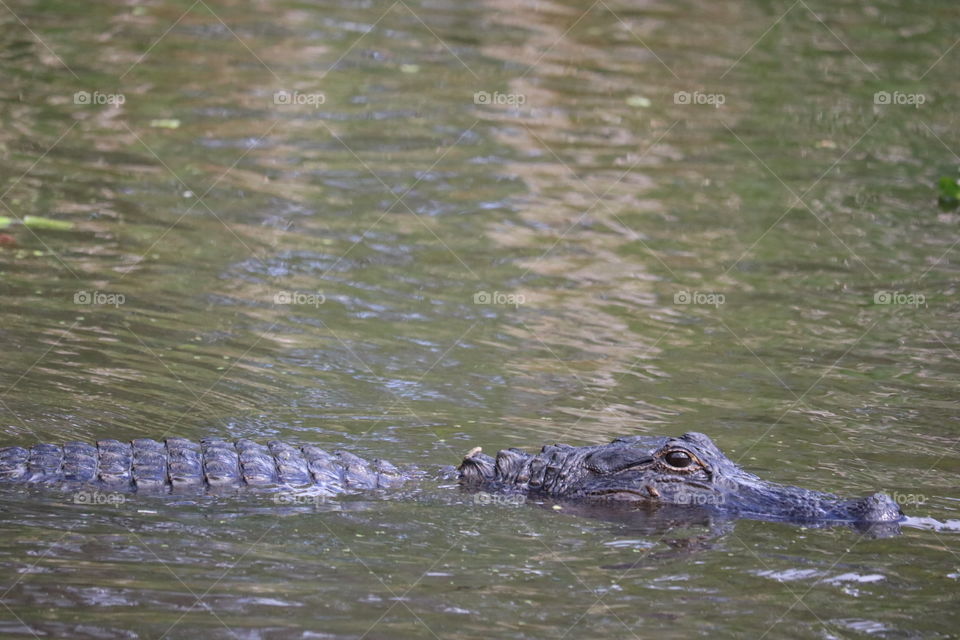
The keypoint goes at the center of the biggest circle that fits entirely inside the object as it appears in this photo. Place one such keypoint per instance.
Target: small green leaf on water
(165, 123)
(949, 188)
(949, 193)
(5, 222)
(638, 101)
(37, 222)
(410, 68)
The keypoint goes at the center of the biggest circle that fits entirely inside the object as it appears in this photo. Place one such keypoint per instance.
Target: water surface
(480, 224)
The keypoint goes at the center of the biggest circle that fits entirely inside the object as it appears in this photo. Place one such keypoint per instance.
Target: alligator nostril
(879, 508)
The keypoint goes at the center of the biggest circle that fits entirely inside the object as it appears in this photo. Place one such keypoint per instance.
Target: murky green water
(584, 168)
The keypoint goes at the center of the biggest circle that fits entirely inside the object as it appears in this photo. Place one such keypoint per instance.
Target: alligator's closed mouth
(625, 494)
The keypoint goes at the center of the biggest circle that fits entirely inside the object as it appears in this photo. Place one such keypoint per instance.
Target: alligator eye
(678, 459)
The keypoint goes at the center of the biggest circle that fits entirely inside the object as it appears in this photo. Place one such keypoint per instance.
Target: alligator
(688, 470)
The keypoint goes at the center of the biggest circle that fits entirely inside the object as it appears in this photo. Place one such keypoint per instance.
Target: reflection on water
(411, 229)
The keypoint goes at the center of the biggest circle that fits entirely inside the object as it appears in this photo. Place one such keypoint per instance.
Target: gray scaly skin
(183, 465)
(688, 470)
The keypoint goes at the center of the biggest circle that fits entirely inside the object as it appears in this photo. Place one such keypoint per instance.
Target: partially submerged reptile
(688, 470)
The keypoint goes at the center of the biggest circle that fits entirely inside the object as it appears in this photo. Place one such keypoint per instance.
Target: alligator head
(688, 470)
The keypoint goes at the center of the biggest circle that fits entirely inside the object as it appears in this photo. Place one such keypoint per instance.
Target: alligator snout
(878, 507)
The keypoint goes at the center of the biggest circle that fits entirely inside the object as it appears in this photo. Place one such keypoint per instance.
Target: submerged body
(684, 471)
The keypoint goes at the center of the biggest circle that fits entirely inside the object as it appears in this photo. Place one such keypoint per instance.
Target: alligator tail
(178, 464)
